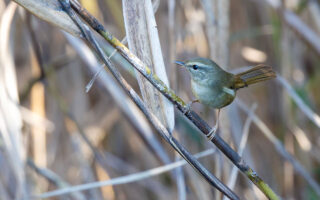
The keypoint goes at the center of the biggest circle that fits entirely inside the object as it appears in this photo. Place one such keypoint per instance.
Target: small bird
(216, 88)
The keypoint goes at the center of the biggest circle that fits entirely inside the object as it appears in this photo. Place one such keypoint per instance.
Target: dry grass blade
(144, 41)
(50, 11)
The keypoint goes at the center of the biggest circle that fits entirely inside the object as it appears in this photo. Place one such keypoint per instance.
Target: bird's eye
(195, 67)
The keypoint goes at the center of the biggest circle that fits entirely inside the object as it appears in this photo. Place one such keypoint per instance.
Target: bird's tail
(256, 74)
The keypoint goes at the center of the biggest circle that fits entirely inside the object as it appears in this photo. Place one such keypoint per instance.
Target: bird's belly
(211, 96)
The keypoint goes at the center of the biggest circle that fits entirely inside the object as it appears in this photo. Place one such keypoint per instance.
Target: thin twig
(53, 178)
(123, 179)
(95, 76)
(124, 167)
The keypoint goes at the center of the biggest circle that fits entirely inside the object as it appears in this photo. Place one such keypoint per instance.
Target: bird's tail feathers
(256, 74)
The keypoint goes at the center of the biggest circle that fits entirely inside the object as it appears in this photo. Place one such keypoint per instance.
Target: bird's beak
(180, 63)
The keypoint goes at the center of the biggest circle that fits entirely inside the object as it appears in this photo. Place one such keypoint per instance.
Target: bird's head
(201, 69)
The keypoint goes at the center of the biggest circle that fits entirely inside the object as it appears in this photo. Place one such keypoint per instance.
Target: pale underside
(215, 97)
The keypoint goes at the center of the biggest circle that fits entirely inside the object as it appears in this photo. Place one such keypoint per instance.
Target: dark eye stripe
(195, 67)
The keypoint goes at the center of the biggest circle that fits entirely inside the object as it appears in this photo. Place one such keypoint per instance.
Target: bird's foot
(188, 106)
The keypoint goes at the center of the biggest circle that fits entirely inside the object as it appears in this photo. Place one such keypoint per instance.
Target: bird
(214, 87)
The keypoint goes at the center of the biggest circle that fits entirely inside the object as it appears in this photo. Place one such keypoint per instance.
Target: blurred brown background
(54, 109)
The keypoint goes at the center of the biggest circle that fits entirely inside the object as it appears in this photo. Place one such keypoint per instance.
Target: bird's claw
(212, 133)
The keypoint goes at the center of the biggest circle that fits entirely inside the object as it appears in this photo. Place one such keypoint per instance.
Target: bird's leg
(213, 131)
(190, 104)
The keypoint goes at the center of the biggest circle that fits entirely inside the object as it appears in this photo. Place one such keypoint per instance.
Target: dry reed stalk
(143, 40)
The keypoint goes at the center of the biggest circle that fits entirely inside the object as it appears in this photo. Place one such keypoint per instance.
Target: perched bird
(216, 88)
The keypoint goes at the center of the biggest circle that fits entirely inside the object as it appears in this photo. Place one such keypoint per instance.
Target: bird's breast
(211, 95)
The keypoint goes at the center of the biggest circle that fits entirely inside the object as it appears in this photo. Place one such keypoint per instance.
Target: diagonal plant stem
(150, 116)
(314, 117)
(179, 103)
